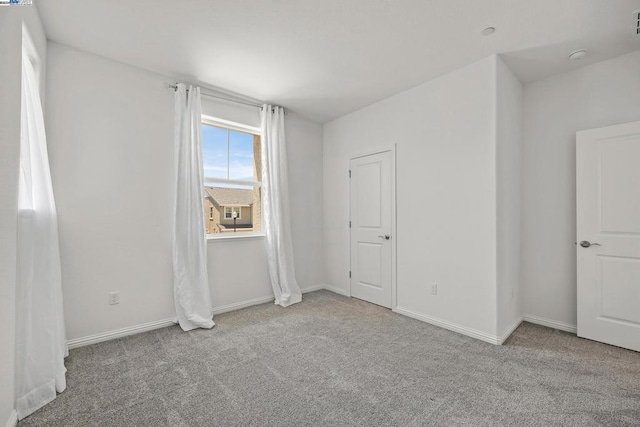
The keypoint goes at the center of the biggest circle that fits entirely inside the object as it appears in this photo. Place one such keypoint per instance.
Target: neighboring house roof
(230, 196)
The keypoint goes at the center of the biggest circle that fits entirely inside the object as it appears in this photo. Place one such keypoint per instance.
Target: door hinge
(349, 224)
(349, 274)
(349, 173)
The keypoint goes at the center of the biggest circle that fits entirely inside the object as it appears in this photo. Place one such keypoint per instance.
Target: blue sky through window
(227, 154)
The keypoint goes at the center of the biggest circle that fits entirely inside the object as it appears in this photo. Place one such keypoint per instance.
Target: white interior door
(371, 228)
(608, 234)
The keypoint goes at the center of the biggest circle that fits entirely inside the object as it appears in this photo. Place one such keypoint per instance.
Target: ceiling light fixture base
(488, 31)
(578, 54)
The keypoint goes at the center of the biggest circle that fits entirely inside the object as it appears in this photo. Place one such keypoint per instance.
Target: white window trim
(239, 208)
(233, 181)
(214, 121)
(240, 127)
(235, 236)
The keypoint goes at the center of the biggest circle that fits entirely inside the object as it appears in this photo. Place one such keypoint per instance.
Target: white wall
(598, 95)
(509, 182)
(10, 69)
(11, 39)
(304, 151)
(111, 147)
(110, 131)
(446, 193)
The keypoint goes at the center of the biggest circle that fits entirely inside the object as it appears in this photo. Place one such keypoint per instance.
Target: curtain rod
(251, 104)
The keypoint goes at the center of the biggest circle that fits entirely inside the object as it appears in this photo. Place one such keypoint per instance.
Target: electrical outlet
(114, 298)
(434, 289)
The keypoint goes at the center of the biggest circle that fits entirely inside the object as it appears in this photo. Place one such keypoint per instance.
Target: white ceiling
(325, 58)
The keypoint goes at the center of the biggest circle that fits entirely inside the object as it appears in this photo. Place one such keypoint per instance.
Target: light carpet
(336, 361)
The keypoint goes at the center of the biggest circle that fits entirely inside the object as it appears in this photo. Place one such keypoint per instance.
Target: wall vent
(636, 22)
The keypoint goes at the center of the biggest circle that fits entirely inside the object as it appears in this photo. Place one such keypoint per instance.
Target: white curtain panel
(190, 279)
(40, 334)
(275, 198)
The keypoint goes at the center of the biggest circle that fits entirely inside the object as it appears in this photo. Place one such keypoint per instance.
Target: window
(228, 212)
(231, 155)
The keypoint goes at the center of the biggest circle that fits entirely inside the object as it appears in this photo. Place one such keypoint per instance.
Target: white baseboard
(256, 301)
(242, 304)
(313, 288)
(145, 327)
(473, 333)
(13, 419)
(336, 290)
(550, 323)
(119, 333)
(509, 331)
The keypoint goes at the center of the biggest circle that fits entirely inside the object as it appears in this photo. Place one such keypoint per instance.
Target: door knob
(385, 237)
(586, 244)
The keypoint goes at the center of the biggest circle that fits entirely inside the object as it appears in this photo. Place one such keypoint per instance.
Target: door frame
(394, 233)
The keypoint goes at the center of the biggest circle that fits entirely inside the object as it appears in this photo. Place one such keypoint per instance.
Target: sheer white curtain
(40, 336)
(190, 279)
(275, 198)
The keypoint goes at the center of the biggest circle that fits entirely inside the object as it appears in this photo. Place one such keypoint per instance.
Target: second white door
(608, 220)
(371, 228)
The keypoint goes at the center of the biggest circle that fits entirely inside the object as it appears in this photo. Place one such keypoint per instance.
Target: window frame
(238, 127)
(238, 208)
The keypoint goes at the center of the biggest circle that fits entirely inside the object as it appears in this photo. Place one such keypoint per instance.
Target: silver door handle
(586, 244)
(385, 237)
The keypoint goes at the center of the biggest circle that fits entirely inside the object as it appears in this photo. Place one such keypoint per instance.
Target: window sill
(234, 236)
